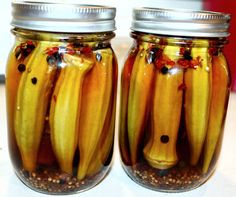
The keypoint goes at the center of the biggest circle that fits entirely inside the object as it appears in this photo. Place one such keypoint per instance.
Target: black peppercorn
(34, 80)
(164, 70)
(31, 46)
(187, 55)
(21, 67)
(164, 139)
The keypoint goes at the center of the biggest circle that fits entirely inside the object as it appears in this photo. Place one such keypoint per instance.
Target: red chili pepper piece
(159, 64)
(55, 98)
(86, 50)
(159, 54)
(163, 60)
(70, 51)
(52, 50)
(183, 63)
(194, 63)
(24, 49)
(170, 63)
(182, 86)
(182, 51)
(213, 51)
(29, 42)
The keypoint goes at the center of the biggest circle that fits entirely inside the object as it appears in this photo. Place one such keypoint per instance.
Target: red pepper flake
(55, 98)
(194, 63)
(24, 49)
(52, 50)
(29, 42)
(72, 48)
(163, 42)
(182, 51)
(159, 64)
(170, 63)
(86, 50)
(213, 51)
(162, 61)
(70, 51)
(183, 63)
(182, 86)
(159, 53)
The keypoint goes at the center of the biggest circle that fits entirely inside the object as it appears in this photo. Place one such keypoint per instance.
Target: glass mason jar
(61, 83)
(175, 88)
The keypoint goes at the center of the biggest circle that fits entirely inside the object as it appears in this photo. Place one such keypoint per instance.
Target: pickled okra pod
(160, 151)
(138, 101)
(32, 101)
(125, 85)
(66, 107)
(197, 98)
(16, 66)
(105, 144)
(97, 92)
(219, 100)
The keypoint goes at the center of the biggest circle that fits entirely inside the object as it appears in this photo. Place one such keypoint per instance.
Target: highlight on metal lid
(61, 17)
(180, 22)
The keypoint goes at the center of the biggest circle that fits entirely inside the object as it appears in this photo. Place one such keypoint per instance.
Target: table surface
(117, 183)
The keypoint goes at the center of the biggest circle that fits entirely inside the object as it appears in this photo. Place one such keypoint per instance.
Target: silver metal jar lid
(59, 17)
(180, 22)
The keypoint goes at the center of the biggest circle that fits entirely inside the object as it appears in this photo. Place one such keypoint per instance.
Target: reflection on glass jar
(61, 95)
(174, 96)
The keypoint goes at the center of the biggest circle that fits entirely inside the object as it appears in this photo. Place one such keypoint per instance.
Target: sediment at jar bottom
(97, 95)
(32, 101)
(219, 100)
(51, 180)
(65, 109)
(160, 150)
(197, 99)
(182, 177)
(139, 97)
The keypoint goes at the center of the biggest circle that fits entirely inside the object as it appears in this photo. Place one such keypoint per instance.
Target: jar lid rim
(63, 17)
(181, 22)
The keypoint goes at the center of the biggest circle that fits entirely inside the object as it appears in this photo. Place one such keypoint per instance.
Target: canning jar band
(180, 22)
(63, 17)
